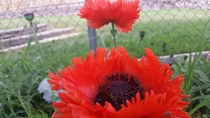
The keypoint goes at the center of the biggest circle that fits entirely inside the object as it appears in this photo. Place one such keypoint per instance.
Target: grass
(26, 70)
(181, 30)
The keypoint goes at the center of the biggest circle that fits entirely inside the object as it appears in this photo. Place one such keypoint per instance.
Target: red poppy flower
(123, 13)
(115, 85)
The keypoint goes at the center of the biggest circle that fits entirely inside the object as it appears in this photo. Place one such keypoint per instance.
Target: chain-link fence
(57, 19)
(170, 26)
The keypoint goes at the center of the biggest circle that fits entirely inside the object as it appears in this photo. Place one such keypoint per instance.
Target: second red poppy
(122, 13)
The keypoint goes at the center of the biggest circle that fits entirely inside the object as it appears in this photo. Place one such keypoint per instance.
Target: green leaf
(206, 99)
(201, 104)
(202, 76)
(43, 115)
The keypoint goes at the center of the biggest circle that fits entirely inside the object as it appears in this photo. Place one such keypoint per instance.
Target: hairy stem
(113, 32)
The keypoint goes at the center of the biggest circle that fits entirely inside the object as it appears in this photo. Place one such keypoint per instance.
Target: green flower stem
(43, 57)
(141, 34)
(202, 104)
(102, 39)
(113, 34)
(39, 46)
(9, 100)
(31, 24)
(193, 64)
(138, 46)
(23, 104)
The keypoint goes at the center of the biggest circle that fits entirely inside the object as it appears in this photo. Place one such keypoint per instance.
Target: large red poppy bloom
(123, 13)
(115, 85)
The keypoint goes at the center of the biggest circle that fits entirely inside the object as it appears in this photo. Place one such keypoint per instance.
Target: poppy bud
(185, 57)
(164, 44)
(29, 16)
(142, 34)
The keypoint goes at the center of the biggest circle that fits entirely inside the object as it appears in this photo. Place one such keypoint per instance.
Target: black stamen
(117, 88)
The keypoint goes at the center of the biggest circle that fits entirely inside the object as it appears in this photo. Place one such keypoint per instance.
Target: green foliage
(196, 84)
(43, 115)
(197, 79)
(22, 72)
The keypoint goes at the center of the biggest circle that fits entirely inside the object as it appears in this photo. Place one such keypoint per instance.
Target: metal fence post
(92, 38)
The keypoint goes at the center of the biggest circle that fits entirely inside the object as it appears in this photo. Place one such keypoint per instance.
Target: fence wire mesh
(167, 19)
(170, 26)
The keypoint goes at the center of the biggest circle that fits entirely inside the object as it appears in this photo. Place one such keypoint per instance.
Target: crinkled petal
(123, 13)
(163, 97)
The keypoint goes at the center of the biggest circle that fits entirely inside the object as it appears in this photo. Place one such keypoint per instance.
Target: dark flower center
(117, 88)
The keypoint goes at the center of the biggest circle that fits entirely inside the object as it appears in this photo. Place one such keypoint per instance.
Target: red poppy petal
(122, 13)
(55, 80)
(80, 84)
(140, 109)
(86, 81)
(135, 107)
(63, 110)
